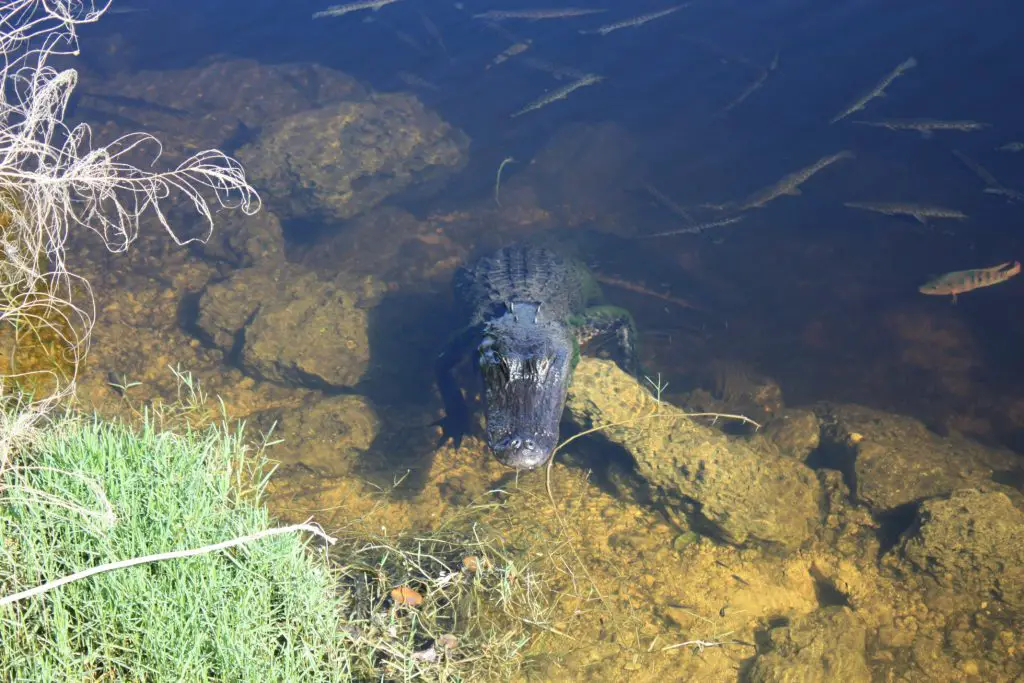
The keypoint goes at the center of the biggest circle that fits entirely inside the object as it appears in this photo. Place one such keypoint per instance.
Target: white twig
(726, 416)
(159, 557)
(497, 182)
(699, 645)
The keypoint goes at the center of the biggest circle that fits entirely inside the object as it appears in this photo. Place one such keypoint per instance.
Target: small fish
(977, 169)
(338, 10)
(127, 10)
(1012, 196)
(926, 127)
(509, 53)
(878, 90)
(415, 81)
(669, 204)
(537, 14)
(920, 212)
(558, 72)
(635, 21)
(696, 229)
(993, 185)
(961, 281)
(1012, 147)
(560, 94)
(434, 32)
(755, 86)
(790, 183)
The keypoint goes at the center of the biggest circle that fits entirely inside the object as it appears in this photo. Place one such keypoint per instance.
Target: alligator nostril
(530, 444)
(516, 443)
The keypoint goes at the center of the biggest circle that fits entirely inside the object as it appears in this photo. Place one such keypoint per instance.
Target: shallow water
(804, 297)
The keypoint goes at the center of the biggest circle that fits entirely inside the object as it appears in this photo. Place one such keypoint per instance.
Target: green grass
(87, 492)
(263, 612)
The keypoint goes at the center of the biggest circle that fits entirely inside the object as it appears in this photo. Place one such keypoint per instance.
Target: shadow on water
(406, 331)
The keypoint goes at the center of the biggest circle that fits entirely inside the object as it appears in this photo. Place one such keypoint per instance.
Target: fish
(878, 90)
(415, 81)
(635, 21)
(560, 94)
(338, 10)
(510, 52)
(1012, 196)
(920, 212)
(434, 31)
(558, 72)
(670, 204)
(993, 186)
(755, 86)
(696, 229)
(537, 14)
(961, 281)
(1012, 147)
(977, 169)
(926, 127)
(789, 185)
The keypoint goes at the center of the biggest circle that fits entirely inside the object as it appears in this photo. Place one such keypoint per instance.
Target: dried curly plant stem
(159, 557)
(53, 180)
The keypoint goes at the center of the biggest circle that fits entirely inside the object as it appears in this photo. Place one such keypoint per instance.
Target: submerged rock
(327, 434)
(217, 106)
(795, 432)
(243, 241)
(971, 543)
(388, 244)
(583, 174)
(893, 460)
(289, 326)
(337, 161)
(745, 495)
(824, 646)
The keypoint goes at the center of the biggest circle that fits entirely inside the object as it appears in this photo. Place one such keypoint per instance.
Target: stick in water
(497, 183)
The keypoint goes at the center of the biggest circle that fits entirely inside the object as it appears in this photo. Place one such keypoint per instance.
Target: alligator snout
(523, 453)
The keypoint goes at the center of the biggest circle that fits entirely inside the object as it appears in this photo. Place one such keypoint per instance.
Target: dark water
(669, 83)
(664, 80)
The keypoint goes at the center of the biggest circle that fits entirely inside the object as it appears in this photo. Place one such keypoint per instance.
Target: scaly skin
(528, 310)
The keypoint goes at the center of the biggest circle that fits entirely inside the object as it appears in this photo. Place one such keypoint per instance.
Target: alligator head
(526, 364)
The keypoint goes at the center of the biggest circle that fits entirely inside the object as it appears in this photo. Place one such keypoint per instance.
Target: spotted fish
(961, 281)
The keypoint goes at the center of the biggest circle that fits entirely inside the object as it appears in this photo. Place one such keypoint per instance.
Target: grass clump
(450, 606)
(88, 493)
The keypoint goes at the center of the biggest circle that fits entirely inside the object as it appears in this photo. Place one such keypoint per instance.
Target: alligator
(528, 311)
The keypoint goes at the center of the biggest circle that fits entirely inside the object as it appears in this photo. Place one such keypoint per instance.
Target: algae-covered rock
(388, 244)
(326, 434)
(216, 106)
(971, 543)
(825, 646)
(893, 460)
(243, 241)
(339, 160)
(795, 432)
(746, 495)
(729, 386)
(225, 307)
(289, 326)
